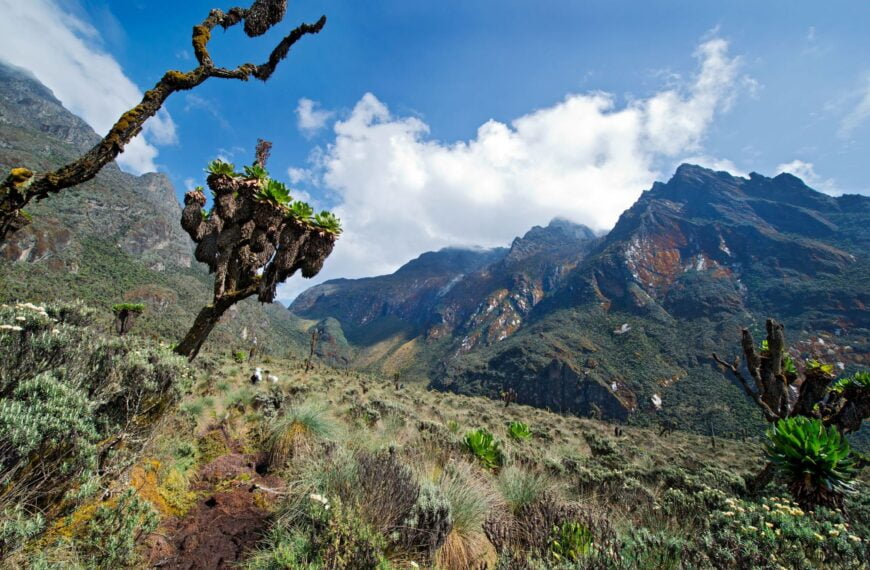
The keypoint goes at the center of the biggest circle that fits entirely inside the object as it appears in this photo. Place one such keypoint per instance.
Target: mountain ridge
(690, 263)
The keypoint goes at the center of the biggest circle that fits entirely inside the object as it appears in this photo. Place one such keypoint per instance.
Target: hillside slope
(115, 238)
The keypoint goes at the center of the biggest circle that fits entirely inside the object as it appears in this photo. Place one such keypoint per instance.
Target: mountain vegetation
(558, 404)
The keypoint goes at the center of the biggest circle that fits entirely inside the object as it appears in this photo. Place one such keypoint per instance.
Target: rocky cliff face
(610, 325)
(139, 213)
(683, 269)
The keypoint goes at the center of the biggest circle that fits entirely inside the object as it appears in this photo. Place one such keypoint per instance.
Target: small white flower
(10, 328)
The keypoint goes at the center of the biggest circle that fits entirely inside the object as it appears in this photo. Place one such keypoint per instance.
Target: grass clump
(295, 431)
(520, 487)
(471, 502)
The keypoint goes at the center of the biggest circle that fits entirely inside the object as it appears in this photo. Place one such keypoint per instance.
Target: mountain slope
(604, 326)
(115, 238)
(447, 301)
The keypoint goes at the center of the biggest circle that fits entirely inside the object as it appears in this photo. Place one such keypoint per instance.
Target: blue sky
(466, 122)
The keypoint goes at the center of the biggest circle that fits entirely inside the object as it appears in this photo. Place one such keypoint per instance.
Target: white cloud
(806, 171)
(859, 114)
(310, 118)
(585, 158)
(65, 54)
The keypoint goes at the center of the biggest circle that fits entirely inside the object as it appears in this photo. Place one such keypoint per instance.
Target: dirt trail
(227, 521)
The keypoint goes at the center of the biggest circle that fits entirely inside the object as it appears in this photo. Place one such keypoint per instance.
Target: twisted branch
(21, 185)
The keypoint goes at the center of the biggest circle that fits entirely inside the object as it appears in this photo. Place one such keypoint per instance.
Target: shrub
(427, 524)
(536, 526)
(519, 431)
(570, 541)
(599, 446)
(110, 537)
(776, 533)
(285, 548)
(18, 526)
(78, 406)
(813, 458)
(387, 490)
(486, 448)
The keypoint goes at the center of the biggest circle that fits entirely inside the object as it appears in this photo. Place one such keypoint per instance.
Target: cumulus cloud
(310, 118)
(806, 171)
(585, 158)
(64, 53)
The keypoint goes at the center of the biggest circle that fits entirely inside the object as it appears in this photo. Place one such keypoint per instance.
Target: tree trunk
(205, 321)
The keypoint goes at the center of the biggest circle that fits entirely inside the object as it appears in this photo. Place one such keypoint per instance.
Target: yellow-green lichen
(20, 176)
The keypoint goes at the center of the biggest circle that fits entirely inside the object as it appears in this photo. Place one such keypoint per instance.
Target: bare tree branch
(22, 185)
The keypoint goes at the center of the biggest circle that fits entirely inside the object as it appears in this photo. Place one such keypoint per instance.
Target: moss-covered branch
(21, 185)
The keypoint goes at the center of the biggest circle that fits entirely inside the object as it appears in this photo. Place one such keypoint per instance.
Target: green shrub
(275, 192)
(815, 460)
(485, 447)
(519, 431)
(240, 356)
(328, 221)
(256, 172)
(285, 548)
(220, 168)
(776, 533)
(18, 526)
(78, 406)
(111, 536)
(600, 446)
(570, 542)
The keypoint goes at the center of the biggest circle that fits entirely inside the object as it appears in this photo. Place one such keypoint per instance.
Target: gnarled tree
(23, 185)
(125, 316)
(783, 389)
(253, 238)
